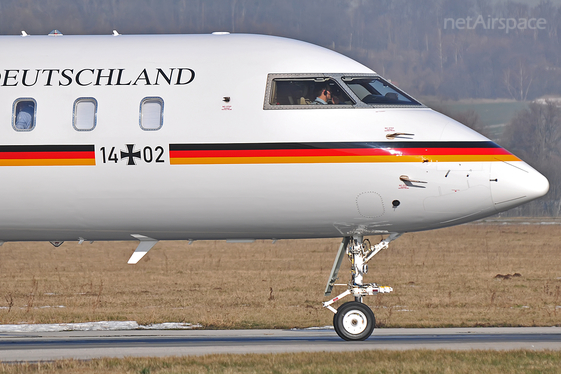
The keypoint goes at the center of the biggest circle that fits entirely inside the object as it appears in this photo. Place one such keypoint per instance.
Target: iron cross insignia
(131, 154)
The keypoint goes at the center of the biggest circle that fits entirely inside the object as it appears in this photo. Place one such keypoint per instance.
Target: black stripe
(335, 145)
(47, 148)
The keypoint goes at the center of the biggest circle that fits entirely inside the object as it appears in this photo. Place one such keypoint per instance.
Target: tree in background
(518, 81)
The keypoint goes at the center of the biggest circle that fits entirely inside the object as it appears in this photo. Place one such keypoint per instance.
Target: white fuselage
(253, 197)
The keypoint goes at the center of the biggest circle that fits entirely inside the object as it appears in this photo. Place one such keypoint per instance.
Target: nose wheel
(354, 321)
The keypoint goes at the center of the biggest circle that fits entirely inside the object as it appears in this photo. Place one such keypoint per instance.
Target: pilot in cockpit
(323, 95)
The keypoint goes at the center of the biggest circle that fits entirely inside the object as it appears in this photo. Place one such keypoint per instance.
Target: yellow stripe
(47, 162)
(338, 159)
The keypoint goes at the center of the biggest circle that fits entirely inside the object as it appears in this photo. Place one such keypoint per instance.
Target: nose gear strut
(355, 320)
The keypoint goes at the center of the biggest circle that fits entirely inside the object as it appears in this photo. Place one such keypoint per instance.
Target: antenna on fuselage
(116, 33)
(55, 32)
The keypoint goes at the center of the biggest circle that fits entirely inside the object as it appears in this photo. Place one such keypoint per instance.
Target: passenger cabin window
(24, 114)
(85, 114)
(151, 113)
(375, 90)
(307, 91)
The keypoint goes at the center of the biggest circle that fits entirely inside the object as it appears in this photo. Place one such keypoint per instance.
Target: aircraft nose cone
(516, 183)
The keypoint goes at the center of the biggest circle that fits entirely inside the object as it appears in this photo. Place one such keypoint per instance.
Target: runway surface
(42, 346)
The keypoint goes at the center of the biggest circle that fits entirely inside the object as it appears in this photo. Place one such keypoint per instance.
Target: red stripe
(45, 155)
(279, 153)
(455, 151)
(340, 152)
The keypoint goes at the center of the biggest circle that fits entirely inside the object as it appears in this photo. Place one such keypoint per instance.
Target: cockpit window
(375, 90)
(332, 91)
(308, 91)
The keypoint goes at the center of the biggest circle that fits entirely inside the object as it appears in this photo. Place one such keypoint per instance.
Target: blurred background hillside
(464, 58)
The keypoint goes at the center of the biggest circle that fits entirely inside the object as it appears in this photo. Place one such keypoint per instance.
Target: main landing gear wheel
(354, 321)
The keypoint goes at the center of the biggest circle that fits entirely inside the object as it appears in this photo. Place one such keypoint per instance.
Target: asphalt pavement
(46, 346)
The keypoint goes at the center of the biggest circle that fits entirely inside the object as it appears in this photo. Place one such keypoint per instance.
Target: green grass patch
(413, 361)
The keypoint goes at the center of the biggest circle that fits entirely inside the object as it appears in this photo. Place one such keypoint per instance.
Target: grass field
(419, 361)
(440, 278)
(446, 277)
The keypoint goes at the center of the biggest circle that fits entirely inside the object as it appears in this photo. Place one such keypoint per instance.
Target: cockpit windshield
(375, 90)
(308, 91)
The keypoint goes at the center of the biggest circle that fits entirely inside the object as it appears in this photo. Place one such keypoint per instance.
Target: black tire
(354, 321)
(335, 324)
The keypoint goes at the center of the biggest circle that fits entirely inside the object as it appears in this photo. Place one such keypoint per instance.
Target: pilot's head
(324, 92)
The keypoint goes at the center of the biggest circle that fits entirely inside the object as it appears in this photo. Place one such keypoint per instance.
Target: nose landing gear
(355, 320)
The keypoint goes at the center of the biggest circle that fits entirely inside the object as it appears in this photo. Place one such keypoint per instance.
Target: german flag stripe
(336, 152)
(334, 145)
(274, 153)
(47, 155)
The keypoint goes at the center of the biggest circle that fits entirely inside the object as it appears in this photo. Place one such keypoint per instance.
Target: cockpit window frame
(271, 82)
(338, 78)
(415, 103)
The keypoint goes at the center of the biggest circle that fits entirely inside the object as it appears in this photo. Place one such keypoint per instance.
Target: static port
(396, 203)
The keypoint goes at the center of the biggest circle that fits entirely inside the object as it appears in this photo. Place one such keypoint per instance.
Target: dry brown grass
(440, 278)
(417, 361)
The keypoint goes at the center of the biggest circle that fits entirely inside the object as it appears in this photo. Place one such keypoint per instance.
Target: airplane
(234, 137)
